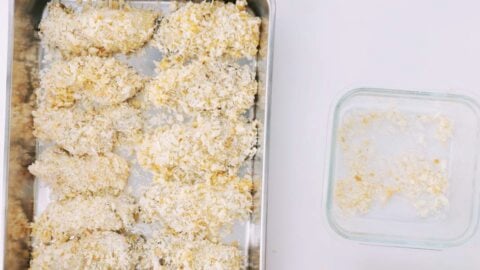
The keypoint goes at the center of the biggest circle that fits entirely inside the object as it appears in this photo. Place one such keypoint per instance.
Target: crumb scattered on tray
(211, 29)
(96, 31)
(64, 220)
(70, 176)
(18, 224)
(205, 86)
(102, 81)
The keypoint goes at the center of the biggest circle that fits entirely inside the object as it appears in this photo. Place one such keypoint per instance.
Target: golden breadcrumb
(199, 150)
(96, 31)
(200, 210)
(69, 176)
(17, 242)
(77, 131)
(21, 130)
(103, 81)
(373, 176)
(205, 86)
(18, 224)
(63, 220)
(99, 250)
(170, 252)
(92, 131)
(354, 196)
(210, 29)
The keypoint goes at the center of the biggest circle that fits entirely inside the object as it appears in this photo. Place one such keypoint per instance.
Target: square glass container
(403, 168)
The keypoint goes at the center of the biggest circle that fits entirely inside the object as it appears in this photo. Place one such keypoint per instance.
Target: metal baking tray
(20, 146)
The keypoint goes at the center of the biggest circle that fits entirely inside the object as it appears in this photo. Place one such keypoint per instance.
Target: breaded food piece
(102, 81)
(199, 210)
(202, 149)
(205, 86)
(210, 29)
(76, 130)
(63, 220)
(171, 252)
(69, 176)
(96, 31)
(87, 131)
(99, 250)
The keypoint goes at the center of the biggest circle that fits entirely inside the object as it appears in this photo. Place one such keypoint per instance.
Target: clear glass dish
(403, 168)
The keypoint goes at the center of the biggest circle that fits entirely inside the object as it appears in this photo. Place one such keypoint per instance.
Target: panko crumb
(212, 29)
(171, 252)
(79, 216)
(201, 149)
(199, 210)
(444, 126)
(88, 131)
(96, 31)
(354, 197)
(374, 177)
(424, 182)
(18, 224)
(205, 86)
(99, 250)
(102, 81)
(69, 176)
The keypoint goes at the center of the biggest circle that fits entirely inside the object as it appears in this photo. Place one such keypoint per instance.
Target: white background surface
(323, 48)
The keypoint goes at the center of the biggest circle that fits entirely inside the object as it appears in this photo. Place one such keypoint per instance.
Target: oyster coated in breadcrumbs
(102, 81)
(96, 31)
(170, 252)
(63, 220)
(200, 150)
(99, 250)
(87, 131)
(210, 29)
(69, 176)
(205, 86)
(200, 210)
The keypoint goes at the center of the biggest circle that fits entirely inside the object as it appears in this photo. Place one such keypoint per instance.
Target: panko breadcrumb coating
(81, 131)
(76, 130)
(99, 250)
(170, 252)
(200, 210)
(127, 122)
(205, 86)
(202, 149)
(63, 220)
(210, 29)
(69, 176)
(96, 31)
(102, 81)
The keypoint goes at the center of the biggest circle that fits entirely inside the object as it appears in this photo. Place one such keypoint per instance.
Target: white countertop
(323, 48)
